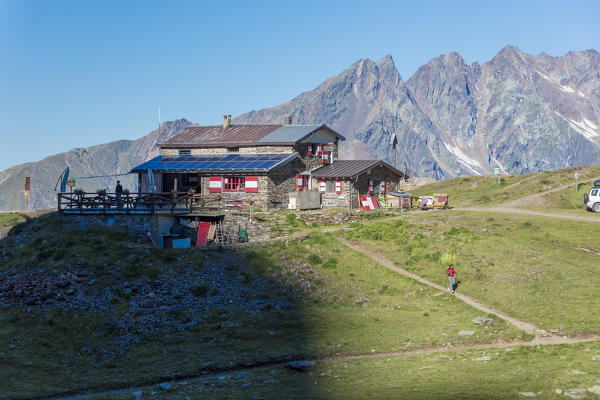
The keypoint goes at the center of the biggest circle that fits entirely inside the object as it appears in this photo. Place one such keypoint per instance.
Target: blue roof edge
(281, 163)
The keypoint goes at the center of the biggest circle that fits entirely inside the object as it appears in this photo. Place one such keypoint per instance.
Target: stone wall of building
(338, 200)
(300, 149)
(159, 225)
(352, 190)
(260, 198)
(314, 161)
(282, 181)
(210, 151)
(168, 152)
(136, 224)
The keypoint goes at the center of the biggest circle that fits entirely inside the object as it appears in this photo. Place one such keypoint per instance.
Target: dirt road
(511, 210)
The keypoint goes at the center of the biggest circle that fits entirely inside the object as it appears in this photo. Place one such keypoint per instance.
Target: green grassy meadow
(537, 269)
(342, 303)
(482, 191)
(8, 219)
(445, 375)
(337, 303)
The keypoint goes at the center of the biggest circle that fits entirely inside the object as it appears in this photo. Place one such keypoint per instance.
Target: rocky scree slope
(139, 289)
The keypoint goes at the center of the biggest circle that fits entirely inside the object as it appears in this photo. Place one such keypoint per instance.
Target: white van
(592, 199)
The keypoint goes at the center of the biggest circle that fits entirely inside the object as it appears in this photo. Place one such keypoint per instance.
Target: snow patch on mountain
(585, 127)
(566, 89)
(464, 159)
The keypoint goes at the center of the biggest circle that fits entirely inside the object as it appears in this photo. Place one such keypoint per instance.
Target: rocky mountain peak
(387, 61)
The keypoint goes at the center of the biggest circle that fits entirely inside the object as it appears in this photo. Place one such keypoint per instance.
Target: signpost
(71, 184)
(576, 182)
(26, 191)
(497, 172)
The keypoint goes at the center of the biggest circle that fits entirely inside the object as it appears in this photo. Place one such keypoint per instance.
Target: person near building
(119, 194)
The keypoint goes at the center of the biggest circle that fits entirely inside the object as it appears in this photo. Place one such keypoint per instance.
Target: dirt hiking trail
(522, 325)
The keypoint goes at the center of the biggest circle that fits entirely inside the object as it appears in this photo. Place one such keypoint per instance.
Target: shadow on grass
(95, 310)
(456, 285)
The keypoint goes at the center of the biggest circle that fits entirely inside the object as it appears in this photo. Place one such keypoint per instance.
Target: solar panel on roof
(220, 162)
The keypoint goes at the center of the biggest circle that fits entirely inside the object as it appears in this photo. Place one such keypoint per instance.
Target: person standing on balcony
(118, 194)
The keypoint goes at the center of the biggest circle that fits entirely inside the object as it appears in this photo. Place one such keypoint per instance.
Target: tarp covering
(203, 228)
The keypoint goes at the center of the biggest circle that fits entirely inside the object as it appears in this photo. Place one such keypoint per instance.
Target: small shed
(343, 182)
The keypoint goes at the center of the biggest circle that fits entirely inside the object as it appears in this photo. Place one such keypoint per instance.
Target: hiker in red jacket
(451, 272)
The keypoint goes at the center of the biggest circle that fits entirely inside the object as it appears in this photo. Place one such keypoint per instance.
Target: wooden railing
(143, 203)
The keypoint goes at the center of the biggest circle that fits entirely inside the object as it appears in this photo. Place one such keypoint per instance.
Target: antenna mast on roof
(159, 122)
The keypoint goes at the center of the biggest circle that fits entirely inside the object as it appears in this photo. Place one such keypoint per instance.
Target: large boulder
(302, 365)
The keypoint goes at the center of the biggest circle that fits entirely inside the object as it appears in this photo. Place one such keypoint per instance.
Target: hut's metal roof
(351, 168)
(216, 136)
(243, 135)
(295, 133)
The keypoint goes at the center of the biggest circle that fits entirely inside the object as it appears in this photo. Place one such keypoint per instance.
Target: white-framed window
(185, 152)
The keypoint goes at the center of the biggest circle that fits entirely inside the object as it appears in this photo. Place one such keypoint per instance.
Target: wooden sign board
(71, 183)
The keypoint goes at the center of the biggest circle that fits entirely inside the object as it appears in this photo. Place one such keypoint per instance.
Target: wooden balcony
(145, 203)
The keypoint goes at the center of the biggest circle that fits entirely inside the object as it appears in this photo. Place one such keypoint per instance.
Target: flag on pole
(65, 179)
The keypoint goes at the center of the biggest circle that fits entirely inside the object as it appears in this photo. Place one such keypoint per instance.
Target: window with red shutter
(234, 183)
(338, 187)
(215, 184)
(251, 184)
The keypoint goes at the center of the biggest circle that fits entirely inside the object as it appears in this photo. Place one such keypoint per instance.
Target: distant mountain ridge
(105, 159)
(537, 113)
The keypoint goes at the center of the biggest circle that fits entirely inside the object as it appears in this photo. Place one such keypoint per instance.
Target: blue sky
(79, 73)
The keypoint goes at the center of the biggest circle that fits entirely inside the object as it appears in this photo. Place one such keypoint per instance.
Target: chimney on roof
(287, 119)
(226, 121)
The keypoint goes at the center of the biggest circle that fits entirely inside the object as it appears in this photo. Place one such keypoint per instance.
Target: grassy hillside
(85, 311)
(484, 191)
(535, 268)
(512, 373)
(8, 219)
(90, 310)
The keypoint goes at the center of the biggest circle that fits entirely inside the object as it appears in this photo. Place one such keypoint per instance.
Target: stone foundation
(139, 225)
(159, 225)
